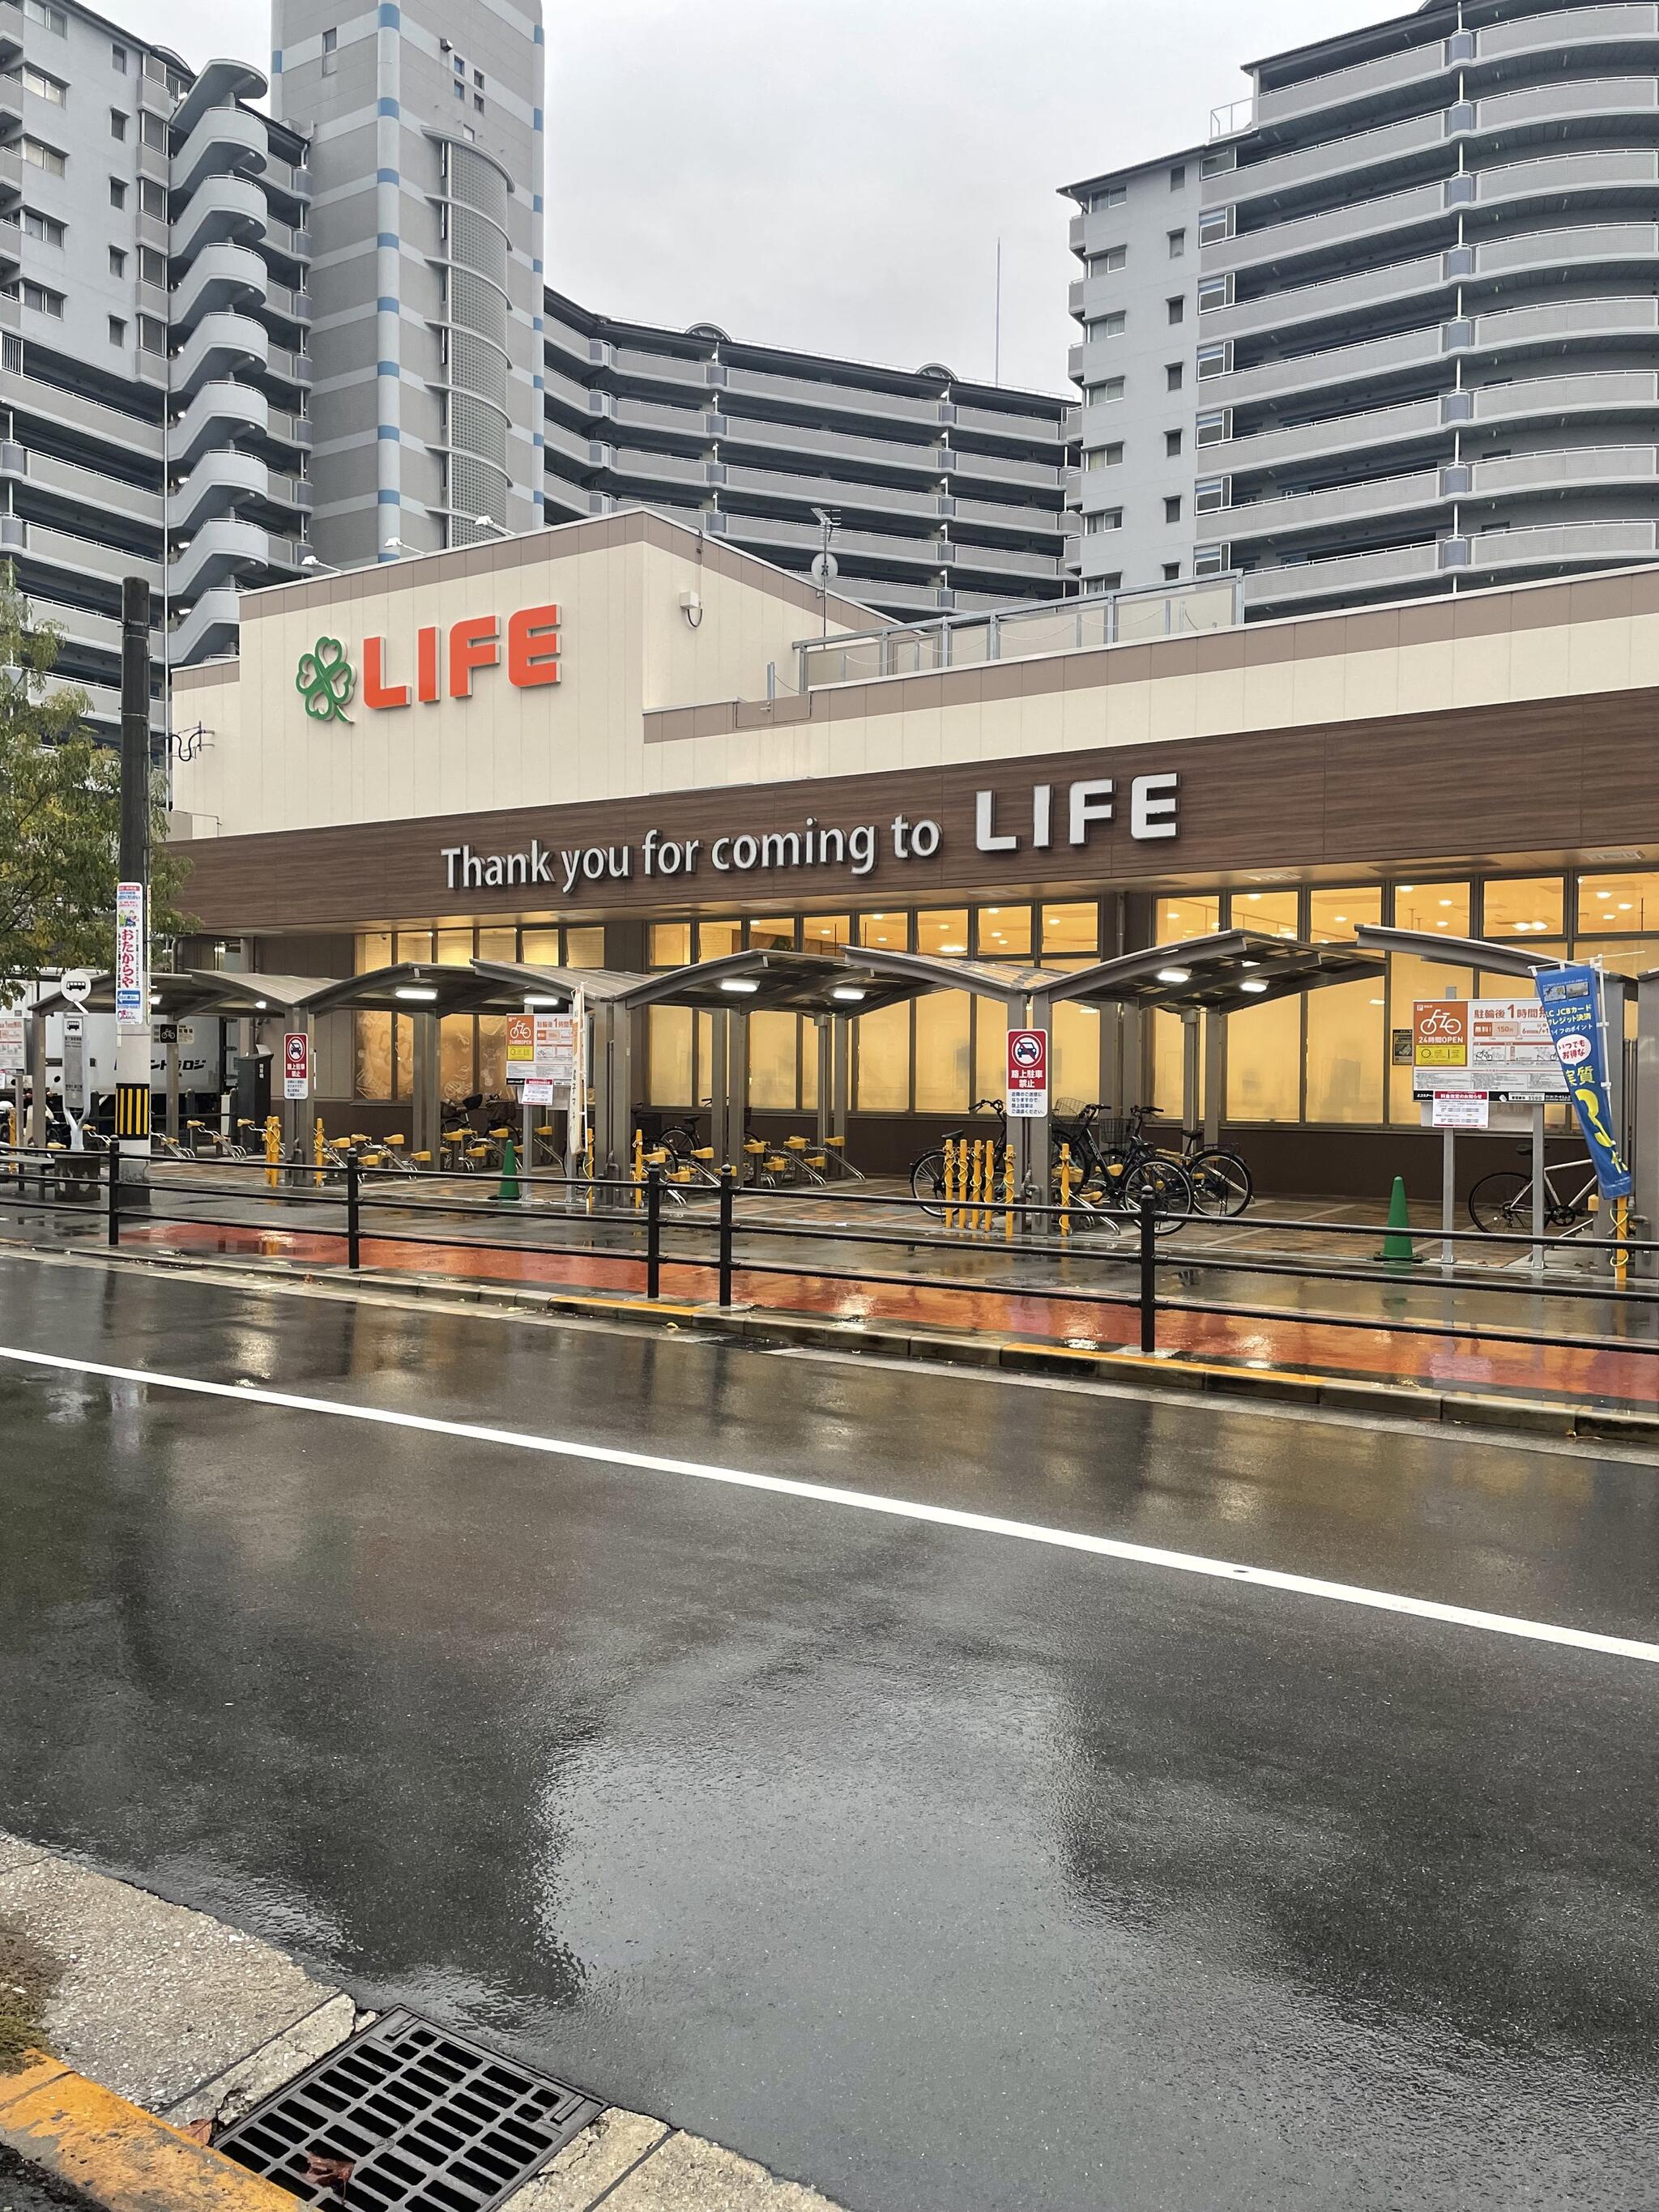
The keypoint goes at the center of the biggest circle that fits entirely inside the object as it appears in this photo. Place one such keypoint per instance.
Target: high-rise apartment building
(425, 126)
(1417, 343)
(946, 494)
(153, 310)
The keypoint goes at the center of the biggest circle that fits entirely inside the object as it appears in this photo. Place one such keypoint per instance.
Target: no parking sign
(1027, 1073)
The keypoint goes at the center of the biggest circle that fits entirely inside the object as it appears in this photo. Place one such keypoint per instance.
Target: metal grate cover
(425, 2119)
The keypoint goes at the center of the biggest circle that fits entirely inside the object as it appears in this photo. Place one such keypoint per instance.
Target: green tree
(60, 816)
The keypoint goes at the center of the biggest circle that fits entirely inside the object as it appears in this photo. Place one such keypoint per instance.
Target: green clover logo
(326, 681)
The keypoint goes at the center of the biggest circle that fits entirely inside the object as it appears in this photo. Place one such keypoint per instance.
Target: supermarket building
(620, 743)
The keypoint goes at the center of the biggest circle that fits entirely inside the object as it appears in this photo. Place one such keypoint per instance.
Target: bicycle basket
(1068, 1109)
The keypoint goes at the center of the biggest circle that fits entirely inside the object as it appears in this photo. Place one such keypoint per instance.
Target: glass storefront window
(540, 948)
(1264, 1062)
(454, 948)
(1191, 915)
(1409, 980)
(887, 933)
(498, 945)
(823, 932)
(1332, 917)
(1444, 907)
(492, 1055)
(716, 939)
(584, 948)
(455, 1057)
(1005, 932)
(883, 1062)
(403, 1055)
(943, 932)
(671, 944)
(373, 952)
(1277, 912)
(1169, 1066)
(774, 933)
(1523, 906)
(990, 1050)
(1071, 929)
(1076, 1073)
(1620, 902)
(772, 1041)
(668, 1046)
(413, 945)
(1347, 1037)
(942, 1060)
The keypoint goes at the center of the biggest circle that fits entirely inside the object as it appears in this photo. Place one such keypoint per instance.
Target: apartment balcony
(1566, 99)
(1549, 475)
(849, 399)
(223, 481)
(688, 422)
(785, 488)
(227, 142)
(82, 556)
(1074, 364)
(1347, 87)
(1001, 561)
(1279, 242)
(221, 210)
(218, 84)
(88, 487)
(765, 530)
(642, 465)
(225, 549)
(1077, 231)
(662, 368)
(1380, 500)
(1356, 364)
(1564, 323)
(1317, 303)
(565, 391)
(1339, 434)
(11, 174)
(223, 276)
(1610, 244)
(899, 455)
(219, 346)
(570, 445)
(996, 468)
(1401, 570)
(1563, 398)
(207, 630)
(1555, 177)
(1076, 292)
(1309, 166)
(1565, 469)
(1570, 29)
(217, 413)
(1043, 430)
(1562, 545)
(11, 32)
(889, 595)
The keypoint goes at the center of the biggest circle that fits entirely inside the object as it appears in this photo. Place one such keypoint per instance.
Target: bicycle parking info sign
(1497, 1047)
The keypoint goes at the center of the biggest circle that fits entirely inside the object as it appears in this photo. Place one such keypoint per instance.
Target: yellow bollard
(319, 1146)
(970, 1220)
(273, 1152)
(1065, 1190)
(590, 1167)
(950, 1183)
(639, 1168)
(980, 1149)
(1008, 1195)
(1621, 1250)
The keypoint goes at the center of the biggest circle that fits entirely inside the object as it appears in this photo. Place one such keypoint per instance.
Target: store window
(492, 1055)
(584, 948)
(455, 1058)
(1278, 912)
(454, 948)
(669, 945)
(413, 945)
(1264, 1062)
(1348, 1045)
(668, 1044)
(774, 933)
(498, 945)
(1618, 903)
(1443, 907)
(883, 1046)
(371, 1033)
(1334, 916)
(773, 1051)
(943, 1028)
(1170, 1066)
(1410, 979)
(823, 932)
(1523, 906)
(1190, 914)
(716, 939)
(1071, 929)
(1005, 932)
(943, 932)
(1076, 1074)
(540, 948)
(887, 933)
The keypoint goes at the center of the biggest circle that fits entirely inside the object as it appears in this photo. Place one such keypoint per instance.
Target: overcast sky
(836, 173)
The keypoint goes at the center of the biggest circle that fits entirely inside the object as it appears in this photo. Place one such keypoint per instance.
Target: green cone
(509, 1193)
(1397, 1244)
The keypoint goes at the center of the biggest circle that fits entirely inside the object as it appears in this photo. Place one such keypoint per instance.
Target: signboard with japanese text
(12, 1043)
(1571, 998)
(131, 980)
(296, 1065)
(1028, 1074)
(541, 1047)
(1499, 1047)
(1461, 1109)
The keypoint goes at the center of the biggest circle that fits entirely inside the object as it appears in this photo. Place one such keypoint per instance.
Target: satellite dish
(76, 986)
(825, 567)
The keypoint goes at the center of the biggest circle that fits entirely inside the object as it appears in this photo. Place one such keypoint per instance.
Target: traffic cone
(509, 1193)
(1397, 1243)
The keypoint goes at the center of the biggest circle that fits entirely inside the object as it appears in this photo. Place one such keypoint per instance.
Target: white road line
(901, 1509)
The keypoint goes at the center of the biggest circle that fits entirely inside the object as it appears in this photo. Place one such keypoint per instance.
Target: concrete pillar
(822, 1024)
(720, 1089)
(1215, 1072)
(1033, 1170)
(841, 1049)
(37, 1033)
(1189, 1062)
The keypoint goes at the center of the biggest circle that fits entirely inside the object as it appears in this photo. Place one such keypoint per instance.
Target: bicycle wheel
(1171, 1188)
(1501, 1203)
(1221, 1182)
(927, 1183)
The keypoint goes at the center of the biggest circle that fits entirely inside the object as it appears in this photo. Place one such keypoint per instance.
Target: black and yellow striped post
(132, 1112)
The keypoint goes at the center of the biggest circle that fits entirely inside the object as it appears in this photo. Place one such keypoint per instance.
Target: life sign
(444, 664)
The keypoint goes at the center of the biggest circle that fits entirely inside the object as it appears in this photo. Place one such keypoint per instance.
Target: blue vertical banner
(1571, 997)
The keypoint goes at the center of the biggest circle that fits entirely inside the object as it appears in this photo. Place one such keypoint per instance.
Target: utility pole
(132, 1039)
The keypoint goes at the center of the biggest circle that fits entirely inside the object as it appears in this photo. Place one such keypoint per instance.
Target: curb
(1166, 1372)
(121, 2157)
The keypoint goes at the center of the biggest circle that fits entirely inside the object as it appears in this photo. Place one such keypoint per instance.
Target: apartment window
(117, 192)
(458, 86)
(1177, 245)
(461, 66)
(117, 56)
(152, 334)
(1107, 326)
(1209, 494)
(330, 41)
(1115, 195)
(477, 77)
(1213, 429)
(1104, 394)
(1172, 572)
(1171, 445)
(1178, 178)
(118, 123)
(1103, 264)
(42, 86)
(1112, 583)
(45, 228)
(1214, 225)
(1174, 375)
(43, 156)
(117, 261)
(43, 300)
(1214, 360)
(1109, 518)
(152, 199)
(1104, 456)
(153, 132)
(1209, 560)
(477, 102)
(152, 267)
(1219, 161)
(1178, 309)
(331, 52)
(49, 18)
(1172, 509)
(1214, 292)
(118, 330)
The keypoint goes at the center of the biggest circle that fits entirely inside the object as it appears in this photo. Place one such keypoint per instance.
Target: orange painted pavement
(1317, 1348)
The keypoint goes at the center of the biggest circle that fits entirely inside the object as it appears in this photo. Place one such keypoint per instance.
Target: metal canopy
(172, 997)
(557, 987)
(844, 983)
(243, 992)
(1226, 973)
(1453, 951)
(981, 979)
(414, 986)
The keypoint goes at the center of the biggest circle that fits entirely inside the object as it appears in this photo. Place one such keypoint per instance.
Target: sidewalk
(163, 2027)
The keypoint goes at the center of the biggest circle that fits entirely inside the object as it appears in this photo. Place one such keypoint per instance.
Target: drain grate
(423, 2119)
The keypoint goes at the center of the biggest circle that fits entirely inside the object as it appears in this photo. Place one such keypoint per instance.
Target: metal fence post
(728, 1188)
(353, 1210)
(653, 1233)
(115, 1191)
(1148, 1271)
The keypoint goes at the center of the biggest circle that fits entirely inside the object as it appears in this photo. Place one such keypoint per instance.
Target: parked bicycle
(1121, 1169)
(1501, 1203)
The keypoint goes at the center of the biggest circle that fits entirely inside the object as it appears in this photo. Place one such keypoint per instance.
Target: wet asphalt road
(942, 1870)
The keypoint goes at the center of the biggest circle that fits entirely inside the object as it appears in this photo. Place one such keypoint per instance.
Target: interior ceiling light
(745, 983)
(421, 993)
(848, 994)
(1175, 974)
(1256, 985)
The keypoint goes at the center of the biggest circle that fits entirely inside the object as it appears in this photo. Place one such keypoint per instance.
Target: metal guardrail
(45, 1181)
